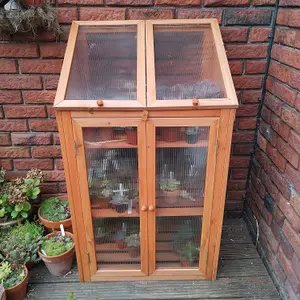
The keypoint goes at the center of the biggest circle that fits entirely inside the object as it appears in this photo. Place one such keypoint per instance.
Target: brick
(281, 91)
(51, 82)
(27, 164)
(13, 125)
(251, 96)
(59, 164)
(256, 66)
(226, 2)
(280, 127)
(289, 37)
(236, 184)
(291, 117)
(267, 131)
(297, 103)
(275, 229)
(52, 50)
(242, 137)
(289, 3)
(6, 164)
(239, 162)
(67, 14)
(294, 176)
(295, 200)
(56, 175)
(81, 2)
(56, 139)
(200, 14)
(296, 265)
(280, 181)
(31, 138)
(8, 66)
(21, 111)
(289, 17)
(249, 110)
(291, 293)
(292, 236)
(150, 13)
(248, 17)
(278, 216)
(13, 152)
(235, 195)
(247, 82)
(65, 32)
(49, 151)
(62, 187)
(93, 14)
(51, 112)
(288, 152)
(242, 149)
(276, 157)
(230, 35)
(10, 97)
(239, 173)
(47, 66)
(163, 2)
(288, 268)
(286, 55)
(48, 188)
(39, 97)
(294, 140)
(269, 235)
(273, 103)
(262, 142)
(18, 50)
(5, 139)
(266, 114)
(263, 2)
(260, 34)
(246, 123)
(236, 67)
(20, 82)
(246, 51)
(43, 125)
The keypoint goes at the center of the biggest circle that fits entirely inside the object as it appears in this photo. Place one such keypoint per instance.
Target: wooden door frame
(78, 124)
(212, 123)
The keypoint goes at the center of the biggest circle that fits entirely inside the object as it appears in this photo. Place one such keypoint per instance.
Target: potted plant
(16, 195)
(169, 134)
(53, 212)
(120, 239)
(2, 292)
(192, 135)
(170, 189)
(103, 193)
(14, 278)
(133, 244)
(57, 252)
(21, 243)
(119, 200)
(188, 254)
(131, 134)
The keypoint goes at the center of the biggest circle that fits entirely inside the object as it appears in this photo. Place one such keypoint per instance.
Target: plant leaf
(24, 214)
(2, 212)
(14, 214)
(26, 206)
(19, 207)
(36, 191)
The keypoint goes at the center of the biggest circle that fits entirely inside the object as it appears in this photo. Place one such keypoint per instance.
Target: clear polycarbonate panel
(112, 167)
(181, 158)
(186, 63)
(104, 64)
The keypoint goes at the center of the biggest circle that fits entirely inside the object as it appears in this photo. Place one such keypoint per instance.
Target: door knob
(151, 208)
(144, 208)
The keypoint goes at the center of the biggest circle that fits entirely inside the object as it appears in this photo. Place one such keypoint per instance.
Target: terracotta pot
(2, 293)
(121, 244)
(186, 263)
(55, 225)
(169, 134)
(18, 292)
(134, 252)
(28, 3)
(29, 265)
(106, 134)
(171, 197)
(131, 135)
(101, 202)
(59, 265)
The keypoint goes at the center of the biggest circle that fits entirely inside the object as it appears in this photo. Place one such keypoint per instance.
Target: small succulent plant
(55, 209)
(133, 240)
(169, 185)
(189, 252)
(56, 245)
(11, 274)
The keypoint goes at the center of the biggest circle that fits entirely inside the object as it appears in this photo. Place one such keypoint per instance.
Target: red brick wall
(274, 192)
(31, 69)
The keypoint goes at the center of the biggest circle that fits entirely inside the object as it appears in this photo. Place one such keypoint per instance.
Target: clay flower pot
(101, 202)
(120, 240)
(131, 135)
(59, 265)
(134, 252)
(171, 197)
(55, 225)
(169, 134)
(18, 292)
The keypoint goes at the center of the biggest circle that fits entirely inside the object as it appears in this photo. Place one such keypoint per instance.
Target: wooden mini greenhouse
(145, 112)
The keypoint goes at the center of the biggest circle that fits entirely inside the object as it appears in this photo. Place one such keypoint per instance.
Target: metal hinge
(89, 258)
(75, 148)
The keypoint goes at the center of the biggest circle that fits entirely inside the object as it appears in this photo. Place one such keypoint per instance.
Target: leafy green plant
(21, 243)
(189, 252)
(56, 245)
(133, 240)
(11, 274)
(16, 194)
(55, 209)
(2, 175)
(192, 130)
(169, 185)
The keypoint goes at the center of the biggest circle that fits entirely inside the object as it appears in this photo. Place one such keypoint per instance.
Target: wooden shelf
(160, 212)
(181, 144)
(118, 144)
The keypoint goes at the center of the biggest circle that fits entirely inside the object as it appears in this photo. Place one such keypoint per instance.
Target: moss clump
(57, 245)
(55, 209)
